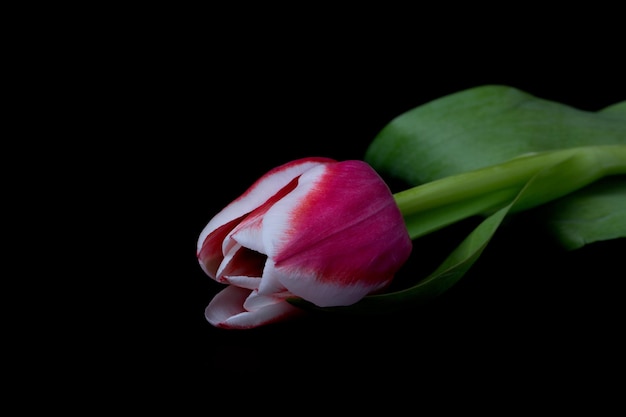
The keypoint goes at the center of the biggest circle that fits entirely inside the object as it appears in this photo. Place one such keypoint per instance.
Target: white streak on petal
(228, 244)
(250, 235)
(255, 301)
(277, 229)
(263, 189)
(251, 283)
(270, 283)
(227, 258)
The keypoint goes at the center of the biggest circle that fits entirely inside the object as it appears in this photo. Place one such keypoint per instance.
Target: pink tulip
(324, 231)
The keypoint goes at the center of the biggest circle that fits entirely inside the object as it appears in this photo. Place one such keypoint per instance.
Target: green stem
(438, 203)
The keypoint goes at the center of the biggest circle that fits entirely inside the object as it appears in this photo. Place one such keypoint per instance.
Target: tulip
(315, 229)
(318, 234)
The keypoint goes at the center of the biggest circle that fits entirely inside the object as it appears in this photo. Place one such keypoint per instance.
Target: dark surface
(192, 125)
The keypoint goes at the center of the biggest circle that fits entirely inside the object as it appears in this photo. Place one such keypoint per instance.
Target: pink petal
(226, 310)
(345, 237)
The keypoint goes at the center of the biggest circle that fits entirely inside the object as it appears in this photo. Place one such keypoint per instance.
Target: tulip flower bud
(325, 231)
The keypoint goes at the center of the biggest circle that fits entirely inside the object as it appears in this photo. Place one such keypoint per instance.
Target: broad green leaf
(484, 126)
(488, 125)
(598, 212)
(595, 213)
(615, 110)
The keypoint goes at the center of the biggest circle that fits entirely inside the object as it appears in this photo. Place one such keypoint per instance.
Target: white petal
(250, 283)
(249, 234)
(255, 301)
(270, 282)
(324, 293)
(226, 310)
(225, 304)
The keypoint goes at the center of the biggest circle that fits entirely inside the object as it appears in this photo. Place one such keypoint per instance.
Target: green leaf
(488, 125)
(615, 110)
(484, 126)
(595, 213)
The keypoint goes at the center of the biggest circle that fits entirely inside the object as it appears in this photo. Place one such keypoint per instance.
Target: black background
(187, 117)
